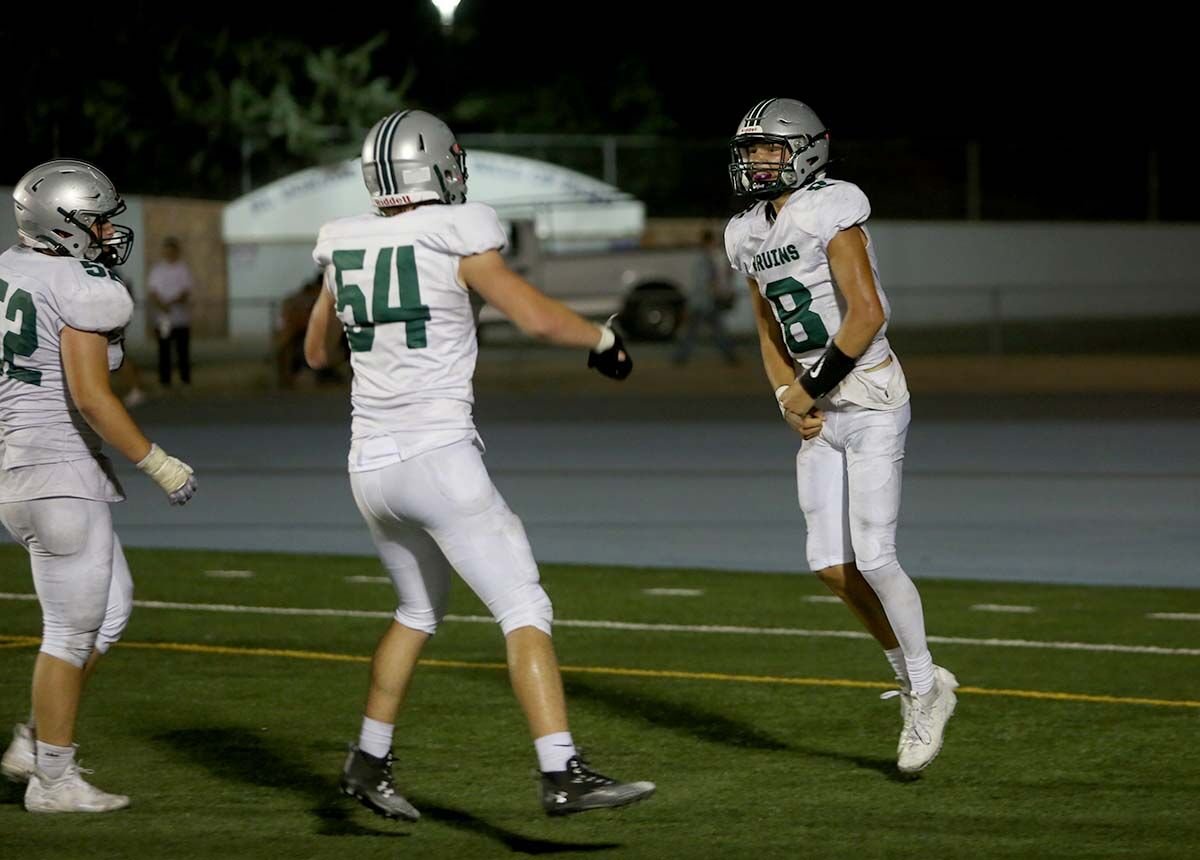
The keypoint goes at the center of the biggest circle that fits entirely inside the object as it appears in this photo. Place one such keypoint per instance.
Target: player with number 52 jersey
(62, 320)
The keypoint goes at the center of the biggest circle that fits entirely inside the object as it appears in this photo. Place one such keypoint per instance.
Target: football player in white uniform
(63, 314)
(397, 281)
(822, 323)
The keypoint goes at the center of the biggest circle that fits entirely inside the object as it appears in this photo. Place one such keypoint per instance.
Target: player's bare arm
(323, 333)
(530, 310)
(851, 269)
(85, 364)
(777, 363)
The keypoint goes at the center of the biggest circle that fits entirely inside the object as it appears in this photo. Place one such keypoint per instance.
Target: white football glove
(170, 473)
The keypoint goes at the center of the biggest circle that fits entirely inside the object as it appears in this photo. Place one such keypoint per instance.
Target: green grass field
(228, 728)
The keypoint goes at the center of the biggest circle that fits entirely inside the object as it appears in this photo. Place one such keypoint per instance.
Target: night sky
(1050, 87)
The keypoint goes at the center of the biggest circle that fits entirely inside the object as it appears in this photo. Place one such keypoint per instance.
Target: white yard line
(665, 628)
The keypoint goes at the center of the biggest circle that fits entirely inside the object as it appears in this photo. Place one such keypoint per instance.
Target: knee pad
(527, 606)
(72, 638)
(424, 615)
(422, 620)
(120, 603)
(879, 571)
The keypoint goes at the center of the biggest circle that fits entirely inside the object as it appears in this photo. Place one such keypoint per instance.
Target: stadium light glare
(446, 10)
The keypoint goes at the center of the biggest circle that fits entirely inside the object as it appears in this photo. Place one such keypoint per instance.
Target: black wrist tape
(830, 369)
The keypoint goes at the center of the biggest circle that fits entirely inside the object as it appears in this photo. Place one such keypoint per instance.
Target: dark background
(1078, 114)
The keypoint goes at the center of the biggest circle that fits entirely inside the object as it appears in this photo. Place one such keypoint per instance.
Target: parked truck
(645, 286)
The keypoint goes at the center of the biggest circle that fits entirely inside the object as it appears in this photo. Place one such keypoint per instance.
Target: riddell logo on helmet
(393, 200)
(750, 129)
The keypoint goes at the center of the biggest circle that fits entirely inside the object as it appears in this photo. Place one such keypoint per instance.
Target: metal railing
(927, 178)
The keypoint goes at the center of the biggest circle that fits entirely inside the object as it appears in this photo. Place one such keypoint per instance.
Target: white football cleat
(904, 692)
(21, 756)
(926, 726)
(69, 793)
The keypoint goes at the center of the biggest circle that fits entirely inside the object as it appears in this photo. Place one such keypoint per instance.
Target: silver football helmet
(57, 205)
(790, 124)
(411, 156)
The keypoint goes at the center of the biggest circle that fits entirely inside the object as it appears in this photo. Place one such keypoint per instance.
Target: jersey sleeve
(89, 298)
(475, 229)
(838, 206)
(323, 252)
(733, 239)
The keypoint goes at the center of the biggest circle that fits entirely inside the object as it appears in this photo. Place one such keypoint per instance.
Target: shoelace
(74, 770)
(918, 730)
(914, 731)
(581, 773)
(906, 701)
(387, 785)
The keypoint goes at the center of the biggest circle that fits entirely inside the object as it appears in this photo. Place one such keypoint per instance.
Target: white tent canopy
(569, 208)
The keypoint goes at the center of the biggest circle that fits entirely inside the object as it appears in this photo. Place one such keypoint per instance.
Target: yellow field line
(1043, 695)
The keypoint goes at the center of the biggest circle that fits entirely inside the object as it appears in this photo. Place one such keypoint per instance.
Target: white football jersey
(409, 323)
(46, 447)
(788, 258)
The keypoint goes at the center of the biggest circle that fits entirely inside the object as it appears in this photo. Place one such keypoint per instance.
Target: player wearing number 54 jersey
(822, 323)
(397, 282)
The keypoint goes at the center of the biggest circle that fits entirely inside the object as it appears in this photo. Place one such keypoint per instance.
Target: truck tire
(653, 312)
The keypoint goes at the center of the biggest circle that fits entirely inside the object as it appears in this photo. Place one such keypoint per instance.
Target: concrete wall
(197, 226)
(945, 272)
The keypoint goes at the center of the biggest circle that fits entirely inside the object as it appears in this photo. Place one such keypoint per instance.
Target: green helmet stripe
(379, 160)
(391, 169)
(383, 153)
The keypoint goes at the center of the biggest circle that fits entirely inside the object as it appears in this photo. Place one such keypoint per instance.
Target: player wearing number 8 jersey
(397, 281)
(822, 323)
